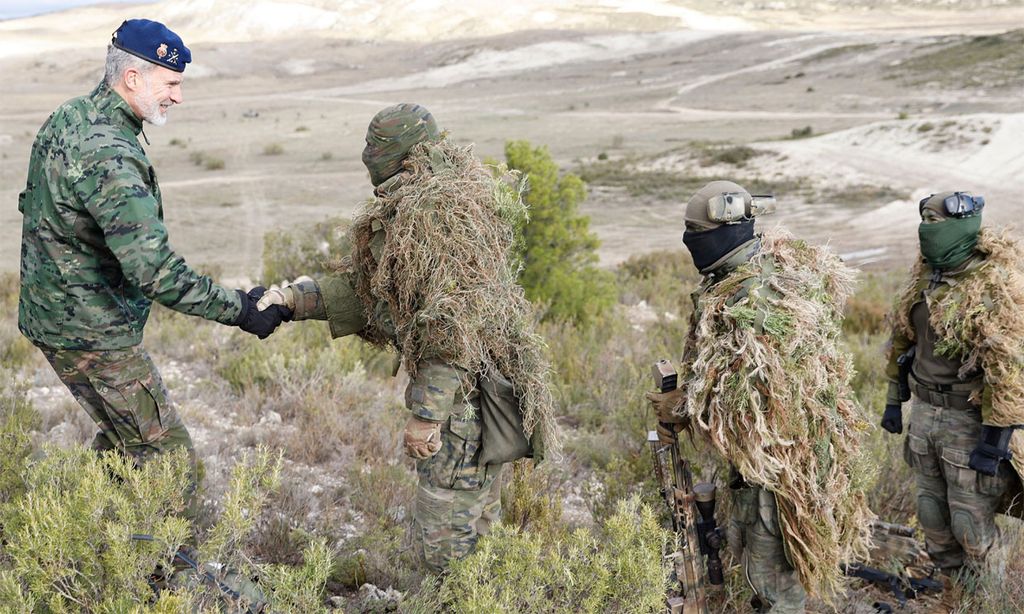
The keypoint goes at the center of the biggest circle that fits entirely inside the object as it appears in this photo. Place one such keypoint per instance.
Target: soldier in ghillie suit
(432, 275)
(958, 347)
(95, 251)
(765, 380)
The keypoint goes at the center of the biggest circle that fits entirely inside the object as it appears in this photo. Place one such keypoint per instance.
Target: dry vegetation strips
(447, 273)
(776, 400)
(980, 322)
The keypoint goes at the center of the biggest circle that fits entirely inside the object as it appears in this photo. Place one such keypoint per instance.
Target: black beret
(152, 41)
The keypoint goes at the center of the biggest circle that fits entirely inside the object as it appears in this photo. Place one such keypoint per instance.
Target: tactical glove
(892, 419)
(993, 446)
(422, 437)
(285, 296)
(256, 322)
(665, 405)
(669, 433)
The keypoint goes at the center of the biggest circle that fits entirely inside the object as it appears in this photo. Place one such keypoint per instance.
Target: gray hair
(119, 61)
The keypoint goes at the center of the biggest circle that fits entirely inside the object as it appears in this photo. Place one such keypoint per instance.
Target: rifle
(896, 543)
(235, 597)
(692, 508)
(903, 587)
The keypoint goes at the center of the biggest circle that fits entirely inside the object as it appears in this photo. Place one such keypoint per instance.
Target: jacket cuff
(309, 304)
(892, 395)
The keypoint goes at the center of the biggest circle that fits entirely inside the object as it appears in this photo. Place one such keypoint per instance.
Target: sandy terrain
(636, 80)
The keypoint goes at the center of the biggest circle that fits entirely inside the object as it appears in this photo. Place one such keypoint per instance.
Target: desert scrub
(308, 250)
(735, 155)
(996, 60)
(68, 540)
(273, 149)
(618, 567)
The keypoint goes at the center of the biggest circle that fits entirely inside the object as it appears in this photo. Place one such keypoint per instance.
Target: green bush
(619, 567)
(309, 250)
(560, 252)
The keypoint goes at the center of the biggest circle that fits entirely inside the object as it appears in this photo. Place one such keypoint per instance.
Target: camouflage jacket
(94, 248)
(928, 287)
(436, 391)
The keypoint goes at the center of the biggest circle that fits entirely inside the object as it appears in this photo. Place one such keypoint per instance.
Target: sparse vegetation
(801, 133)
(273, 149)
(205, 160)
(994, 60)
(735, 155)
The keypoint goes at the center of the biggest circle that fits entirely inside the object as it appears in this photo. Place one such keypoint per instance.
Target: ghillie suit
(770, 386)
(436, 247)
(980, 322)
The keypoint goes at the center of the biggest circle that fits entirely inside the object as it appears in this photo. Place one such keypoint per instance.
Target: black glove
(993, 446)
(260, 323)
(892, 419)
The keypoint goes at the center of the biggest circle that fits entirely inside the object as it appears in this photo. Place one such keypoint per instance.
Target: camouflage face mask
(391, 135)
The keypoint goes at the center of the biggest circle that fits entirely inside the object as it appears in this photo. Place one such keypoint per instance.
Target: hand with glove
(892, 418)
(665, 405)
(993, 447)
(253, 320)
(284, 296)
(422, 438)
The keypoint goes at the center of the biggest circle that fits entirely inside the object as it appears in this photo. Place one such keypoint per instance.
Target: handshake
(263, 310)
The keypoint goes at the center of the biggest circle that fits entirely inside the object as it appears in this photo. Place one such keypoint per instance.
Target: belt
(945, 395)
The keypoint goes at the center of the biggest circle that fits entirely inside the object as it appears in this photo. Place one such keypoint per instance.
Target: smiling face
(152, 91)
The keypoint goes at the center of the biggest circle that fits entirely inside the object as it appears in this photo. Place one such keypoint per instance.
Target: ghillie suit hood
(769, 385)
(980, 321)
(436, 248)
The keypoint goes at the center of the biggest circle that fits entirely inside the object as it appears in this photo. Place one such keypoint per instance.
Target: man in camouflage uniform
(95, 251)
(458, 498)
(955, 442)
(738, 391)
(754, 524)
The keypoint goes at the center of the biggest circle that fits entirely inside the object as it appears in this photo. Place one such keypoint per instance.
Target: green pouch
(503, 438)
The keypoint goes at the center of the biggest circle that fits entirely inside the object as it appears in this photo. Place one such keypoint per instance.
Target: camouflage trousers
(754, 528)
(457, 500)
(956, 505)
(122, 392)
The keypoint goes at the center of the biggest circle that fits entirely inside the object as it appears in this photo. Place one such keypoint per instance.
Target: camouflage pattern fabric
(458, 499)
(95, 251)
(755, 524)
(122, 392)
(956, 505)
(391, 134)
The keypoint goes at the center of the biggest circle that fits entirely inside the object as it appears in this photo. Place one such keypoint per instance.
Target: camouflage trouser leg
(955, 504)
(122, 392)
(457, 500)
(755, 522)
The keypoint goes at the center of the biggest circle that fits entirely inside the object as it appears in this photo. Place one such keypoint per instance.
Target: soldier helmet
(952, 204)
(392, 133)
(699, 211)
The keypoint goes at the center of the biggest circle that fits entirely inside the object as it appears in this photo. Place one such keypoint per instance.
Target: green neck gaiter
(947, 244)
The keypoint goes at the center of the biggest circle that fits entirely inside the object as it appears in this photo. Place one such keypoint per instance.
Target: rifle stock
(692, 511)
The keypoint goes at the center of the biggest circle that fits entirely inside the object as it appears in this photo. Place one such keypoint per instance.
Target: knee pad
(967, 532)
(932, 513)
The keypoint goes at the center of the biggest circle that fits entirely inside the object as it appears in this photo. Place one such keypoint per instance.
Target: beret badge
(161, 51)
